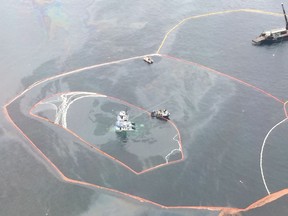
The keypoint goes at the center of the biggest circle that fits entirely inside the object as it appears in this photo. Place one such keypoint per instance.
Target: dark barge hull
(260, 41)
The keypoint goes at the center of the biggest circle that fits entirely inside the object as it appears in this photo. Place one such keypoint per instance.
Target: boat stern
(259, 40)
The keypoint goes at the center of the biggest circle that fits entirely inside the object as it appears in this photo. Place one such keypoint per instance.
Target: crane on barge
(273, 36)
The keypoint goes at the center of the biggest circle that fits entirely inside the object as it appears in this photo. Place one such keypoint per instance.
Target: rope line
(212, 14)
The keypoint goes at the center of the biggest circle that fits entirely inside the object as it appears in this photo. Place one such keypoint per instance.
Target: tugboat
(123, 123)
(160, 114)
(275, 35)
(148, 59)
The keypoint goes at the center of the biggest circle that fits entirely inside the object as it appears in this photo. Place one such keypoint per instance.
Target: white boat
(123, 123)
(148, 59)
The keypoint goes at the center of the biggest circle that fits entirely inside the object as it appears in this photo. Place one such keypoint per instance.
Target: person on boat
(165, 112)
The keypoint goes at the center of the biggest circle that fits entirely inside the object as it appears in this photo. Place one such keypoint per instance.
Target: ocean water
(222, 122)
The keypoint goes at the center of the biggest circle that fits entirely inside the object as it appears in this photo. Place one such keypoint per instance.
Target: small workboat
(148, 59)
(162, 114)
